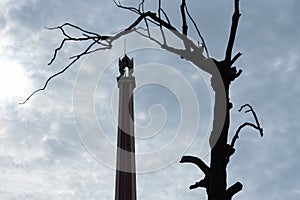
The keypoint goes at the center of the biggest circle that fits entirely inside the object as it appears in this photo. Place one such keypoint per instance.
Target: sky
(58, 147)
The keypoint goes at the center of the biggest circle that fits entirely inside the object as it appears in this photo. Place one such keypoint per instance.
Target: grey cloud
(268, 33)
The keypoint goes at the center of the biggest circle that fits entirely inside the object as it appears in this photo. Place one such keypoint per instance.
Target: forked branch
(201, 165)
(255, 126)
(95, 39)
(132, 9)
(102, 42)
(60, 72)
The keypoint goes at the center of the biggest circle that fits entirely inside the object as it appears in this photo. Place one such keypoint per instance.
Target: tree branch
(202, 166)
(198, 31)
(235, 20)
(252, 111)
(166, 16)
(75, 27)
(96, 38)
(152, 16)
(236, 136)
(60, 72)
(88, 36)
(203, 183)
(236, 57)
(232, 190)
(142, 6)
(184, 24)
(159, 8)
(194, 56)
(255, 126)
(132, 9)
(197, 161)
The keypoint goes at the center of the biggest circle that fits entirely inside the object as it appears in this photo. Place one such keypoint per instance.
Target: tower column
(126, 172)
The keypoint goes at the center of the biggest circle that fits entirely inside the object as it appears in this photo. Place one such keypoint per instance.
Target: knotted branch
(202, 166)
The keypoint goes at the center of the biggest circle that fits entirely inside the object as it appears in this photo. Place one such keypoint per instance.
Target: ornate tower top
(123, 63)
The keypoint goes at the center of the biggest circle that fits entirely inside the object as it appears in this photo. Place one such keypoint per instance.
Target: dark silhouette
(123, 63)
(222, 72)
(125, 171)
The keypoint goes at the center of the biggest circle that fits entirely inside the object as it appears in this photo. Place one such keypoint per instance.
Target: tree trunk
(218, 140)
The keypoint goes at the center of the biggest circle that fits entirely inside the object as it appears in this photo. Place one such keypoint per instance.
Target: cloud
(41, 155)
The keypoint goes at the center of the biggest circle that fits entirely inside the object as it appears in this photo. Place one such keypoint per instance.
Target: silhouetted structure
(223, 73)
(125, 172)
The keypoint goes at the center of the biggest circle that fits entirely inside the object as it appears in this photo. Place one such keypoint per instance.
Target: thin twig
(60, 72)
(119, 5)
(58, 49)
(75, 27)
(47, 81)
(245, 124)
(147, 35)
(159, 8)
(252, 111)
(96, 37)
(152, 16)
(141, 6)
(166, 16)
(236, 57)
(163, 36)
(198, 31)
(92, 51)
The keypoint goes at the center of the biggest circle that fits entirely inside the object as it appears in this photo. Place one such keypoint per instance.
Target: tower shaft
(126, 172)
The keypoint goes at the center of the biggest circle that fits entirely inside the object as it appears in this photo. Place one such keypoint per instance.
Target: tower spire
(125, 172)
(124, 46)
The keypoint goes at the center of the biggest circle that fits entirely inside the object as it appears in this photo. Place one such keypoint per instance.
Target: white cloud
(14, 82)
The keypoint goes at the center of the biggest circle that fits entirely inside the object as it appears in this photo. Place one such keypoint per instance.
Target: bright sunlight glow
(14, 83)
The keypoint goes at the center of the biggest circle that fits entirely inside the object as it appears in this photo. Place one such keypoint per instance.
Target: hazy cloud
(41, 155)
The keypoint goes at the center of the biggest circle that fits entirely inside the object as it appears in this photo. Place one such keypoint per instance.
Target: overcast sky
(48, 152)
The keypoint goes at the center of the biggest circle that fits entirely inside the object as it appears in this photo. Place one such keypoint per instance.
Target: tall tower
(125, 188)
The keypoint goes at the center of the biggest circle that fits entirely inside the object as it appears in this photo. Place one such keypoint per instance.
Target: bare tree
(215, 175)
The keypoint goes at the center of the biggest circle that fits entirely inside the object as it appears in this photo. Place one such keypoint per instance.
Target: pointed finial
(124, 46)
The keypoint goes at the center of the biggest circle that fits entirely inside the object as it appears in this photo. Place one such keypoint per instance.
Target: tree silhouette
(215, 175)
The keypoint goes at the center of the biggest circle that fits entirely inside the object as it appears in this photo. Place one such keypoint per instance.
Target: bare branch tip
(234, 189)
(52, 28)
(246, 105)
